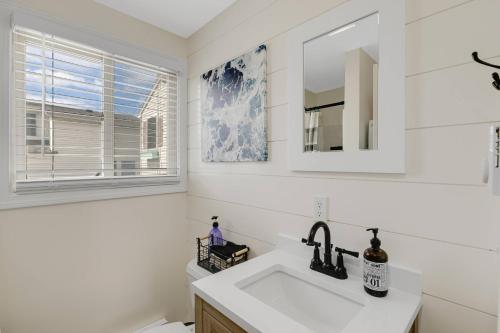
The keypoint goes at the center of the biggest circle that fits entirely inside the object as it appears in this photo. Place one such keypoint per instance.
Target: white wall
(438, 218)
(107, 266)
(359, 99)
(88, 14)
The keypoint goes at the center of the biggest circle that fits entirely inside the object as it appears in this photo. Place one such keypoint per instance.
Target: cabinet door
(212, 325)
(209, 320)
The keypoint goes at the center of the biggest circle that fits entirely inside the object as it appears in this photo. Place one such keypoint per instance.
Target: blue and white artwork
(234, 117)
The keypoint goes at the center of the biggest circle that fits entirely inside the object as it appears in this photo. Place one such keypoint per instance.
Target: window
(151, 133)
(31, 124)
(82, 114)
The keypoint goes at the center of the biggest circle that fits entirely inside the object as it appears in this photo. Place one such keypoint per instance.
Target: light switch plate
(320, 208)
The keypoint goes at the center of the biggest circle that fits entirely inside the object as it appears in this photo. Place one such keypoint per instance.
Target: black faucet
(328, 245)
(326, 267)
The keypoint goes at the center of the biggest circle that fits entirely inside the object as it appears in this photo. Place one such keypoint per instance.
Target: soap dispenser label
(375, 275)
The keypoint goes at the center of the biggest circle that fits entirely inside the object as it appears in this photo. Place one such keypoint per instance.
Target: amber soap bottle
(375, 268)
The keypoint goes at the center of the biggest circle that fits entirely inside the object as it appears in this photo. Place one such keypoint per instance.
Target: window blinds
(84, 114)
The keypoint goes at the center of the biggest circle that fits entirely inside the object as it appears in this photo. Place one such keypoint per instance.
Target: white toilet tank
(194, 272)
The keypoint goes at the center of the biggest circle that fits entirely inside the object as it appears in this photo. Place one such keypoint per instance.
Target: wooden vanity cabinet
(210, 320)
(414, 328)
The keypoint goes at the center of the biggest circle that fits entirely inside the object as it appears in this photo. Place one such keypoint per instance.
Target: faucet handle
(316, 263)
(308, 243)
(344, 251)
(340, 270)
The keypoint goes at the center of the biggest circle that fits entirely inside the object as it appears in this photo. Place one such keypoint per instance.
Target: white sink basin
(317, 308)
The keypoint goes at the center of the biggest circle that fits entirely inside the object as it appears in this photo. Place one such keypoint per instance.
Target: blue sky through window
(77, 82)
(132, 87)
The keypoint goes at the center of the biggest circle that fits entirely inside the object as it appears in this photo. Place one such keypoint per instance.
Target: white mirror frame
(390, 155)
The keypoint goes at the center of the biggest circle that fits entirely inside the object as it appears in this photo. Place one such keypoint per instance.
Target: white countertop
(392, 314)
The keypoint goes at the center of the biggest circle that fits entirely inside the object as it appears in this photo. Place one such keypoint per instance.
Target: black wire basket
(216, 254)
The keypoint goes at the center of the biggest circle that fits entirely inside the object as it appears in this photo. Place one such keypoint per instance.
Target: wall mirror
(340, 88)
(346, 89)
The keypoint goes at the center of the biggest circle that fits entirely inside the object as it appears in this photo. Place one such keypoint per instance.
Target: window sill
(24, 200)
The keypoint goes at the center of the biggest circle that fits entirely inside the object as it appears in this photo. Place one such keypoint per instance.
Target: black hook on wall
(495, 76)
(496, 80)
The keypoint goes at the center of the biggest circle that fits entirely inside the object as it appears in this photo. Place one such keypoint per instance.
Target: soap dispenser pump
(375, 268)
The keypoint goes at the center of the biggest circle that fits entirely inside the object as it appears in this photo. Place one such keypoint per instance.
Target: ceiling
(181, 17)
(325, 56)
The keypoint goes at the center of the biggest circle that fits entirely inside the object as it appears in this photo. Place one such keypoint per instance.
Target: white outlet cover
(320, 208)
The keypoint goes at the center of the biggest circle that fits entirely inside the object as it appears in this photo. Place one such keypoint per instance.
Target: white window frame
(79, 190)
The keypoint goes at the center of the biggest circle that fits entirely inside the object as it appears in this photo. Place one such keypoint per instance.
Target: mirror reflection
(341, 88)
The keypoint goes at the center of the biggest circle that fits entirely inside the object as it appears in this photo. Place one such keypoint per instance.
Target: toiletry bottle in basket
(215, 234)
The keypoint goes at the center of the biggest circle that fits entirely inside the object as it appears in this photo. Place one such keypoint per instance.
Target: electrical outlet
(320, 208)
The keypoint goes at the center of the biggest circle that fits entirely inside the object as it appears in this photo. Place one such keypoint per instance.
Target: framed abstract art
(233, 110)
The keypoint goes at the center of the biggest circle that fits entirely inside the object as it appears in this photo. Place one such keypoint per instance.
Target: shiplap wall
(438, 217)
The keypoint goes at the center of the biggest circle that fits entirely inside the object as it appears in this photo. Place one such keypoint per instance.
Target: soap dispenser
(215, 234)
(375, 268)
